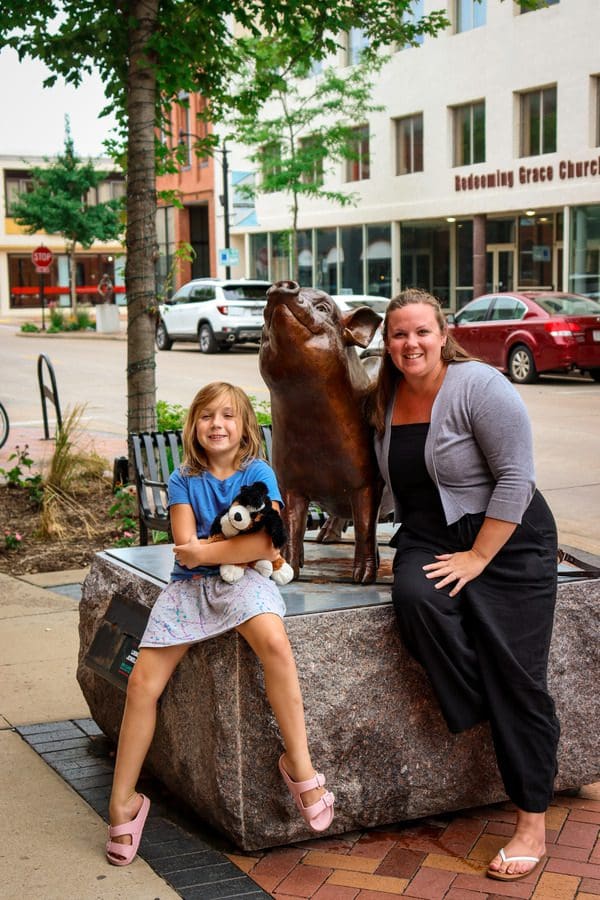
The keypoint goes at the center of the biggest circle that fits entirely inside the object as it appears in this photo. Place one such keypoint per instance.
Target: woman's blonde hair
(195, 460)
(452, 352)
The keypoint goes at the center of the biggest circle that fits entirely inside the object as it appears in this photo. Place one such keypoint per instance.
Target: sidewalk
(53, 844)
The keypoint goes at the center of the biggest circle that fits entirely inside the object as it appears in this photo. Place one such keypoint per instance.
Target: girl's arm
(190, 551)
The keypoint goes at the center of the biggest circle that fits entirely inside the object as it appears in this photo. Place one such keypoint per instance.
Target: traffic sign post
(42, 260)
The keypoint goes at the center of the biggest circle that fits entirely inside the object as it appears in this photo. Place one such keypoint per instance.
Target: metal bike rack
(48, 393)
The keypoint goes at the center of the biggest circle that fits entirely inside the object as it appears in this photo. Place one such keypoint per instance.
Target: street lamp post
(224, 197)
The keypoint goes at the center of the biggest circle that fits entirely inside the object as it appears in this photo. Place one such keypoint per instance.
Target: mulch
(20, 515)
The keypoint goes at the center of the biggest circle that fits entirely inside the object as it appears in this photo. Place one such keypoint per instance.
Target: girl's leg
(266, 635)
(147, 681)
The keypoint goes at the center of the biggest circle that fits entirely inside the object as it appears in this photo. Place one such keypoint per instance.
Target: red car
(529, 332)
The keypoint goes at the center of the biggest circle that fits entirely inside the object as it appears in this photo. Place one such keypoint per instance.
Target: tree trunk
(72, 276)
(140, 274)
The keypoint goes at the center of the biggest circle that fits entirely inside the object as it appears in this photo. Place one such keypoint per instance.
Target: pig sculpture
(322, 442)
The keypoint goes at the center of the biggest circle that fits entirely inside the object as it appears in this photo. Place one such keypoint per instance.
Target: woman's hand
(456, 567)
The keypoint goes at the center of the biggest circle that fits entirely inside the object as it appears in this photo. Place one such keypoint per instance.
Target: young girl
(222, 446)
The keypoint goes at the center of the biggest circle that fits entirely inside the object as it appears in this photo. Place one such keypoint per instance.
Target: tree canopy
(150, 54)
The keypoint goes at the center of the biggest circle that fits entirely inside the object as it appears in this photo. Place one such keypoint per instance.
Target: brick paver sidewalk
(441, 857)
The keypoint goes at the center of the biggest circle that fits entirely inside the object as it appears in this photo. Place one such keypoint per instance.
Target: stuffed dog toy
(252, 511)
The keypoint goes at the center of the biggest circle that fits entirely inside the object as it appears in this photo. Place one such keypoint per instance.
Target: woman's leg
(529, 839)
(434, 630)
(266, 635)
(147, 681)
(512, 604)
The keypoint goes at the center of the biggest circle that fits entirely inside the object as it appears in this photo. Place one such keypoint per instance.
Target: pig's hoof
(365, 572)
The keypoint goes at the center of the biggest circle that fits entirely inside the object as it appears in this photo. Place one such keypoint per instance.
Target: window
(184, 135)
(15, 184)
(110, 189)
(469, 134)
(538, 122)
(270, 163)
(596, 110)
(357, 41)
(507, 308)
(474, 312)
(409, 144)
(311, 159)
(525, 9)
(411, 18)
(470, 14)
(357, 165)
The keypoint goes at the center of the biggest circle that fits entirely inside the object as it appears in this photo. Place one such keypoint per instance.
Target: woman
(475, 565)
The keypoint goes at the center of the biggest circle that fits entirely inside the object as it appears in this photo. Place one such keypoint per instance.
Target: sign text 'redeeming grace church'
(566, 170)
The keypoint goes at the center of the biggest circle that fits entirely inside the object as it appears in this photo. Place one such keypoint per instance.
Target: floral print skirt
(200, 608)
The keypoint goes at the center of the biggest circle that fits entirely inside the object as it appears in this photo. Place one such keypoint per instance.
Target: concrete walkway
(52, 844)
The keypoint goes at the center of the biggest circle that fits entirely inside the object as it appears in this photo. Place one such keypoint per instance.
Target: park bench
(156, 454)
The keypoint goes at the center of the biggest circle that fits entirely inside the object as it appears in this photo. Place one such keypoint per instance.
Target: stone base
(374, 727)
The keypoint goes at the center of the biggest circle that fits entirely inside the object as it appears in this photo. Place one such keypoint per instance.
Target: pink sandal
(319, 815)
(123, 854)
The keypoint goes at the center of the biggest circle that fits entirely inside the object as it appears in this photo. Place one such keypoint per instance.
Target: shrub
(169, 416)
(29, 327)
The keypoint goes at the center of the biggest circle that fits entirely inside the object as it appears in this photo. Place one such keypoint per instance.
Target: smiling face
(414, 340)
(219, 428)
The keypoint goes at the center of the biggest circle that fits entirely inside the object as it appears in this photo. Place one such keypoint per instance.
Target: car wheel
(521, 365)
(206, 339)
(595, 374)
(163, 341)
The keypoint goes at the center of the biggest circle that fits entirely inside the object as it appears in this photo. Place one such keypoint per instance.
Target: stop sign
(42, 259)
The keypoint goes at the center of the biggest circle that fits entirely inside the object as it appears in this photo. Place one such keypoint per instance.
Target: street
(565, 411)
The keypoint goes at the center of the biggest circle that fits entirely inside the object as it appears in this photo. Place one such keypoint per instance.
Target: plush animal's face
(251, 501)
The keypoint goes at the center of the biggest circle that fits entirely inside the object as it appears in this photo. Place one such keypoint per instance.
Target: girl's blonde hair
(384, 387)
(195, 460)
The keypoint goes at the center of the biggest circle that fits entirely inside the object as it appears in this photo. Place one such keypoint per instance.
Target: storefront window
(327, 259)
(500, 231)
(305, 258)
(426, 259)
(379, 260)
(351, 270)
(165, 237)
(24, 281)
(584, 264)
(259, 256)
(536, 239)
(464, 263)
(280, 256)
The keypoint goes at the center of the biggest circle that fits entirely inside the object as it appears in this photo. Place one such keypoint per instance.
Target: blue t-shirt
(209, 497)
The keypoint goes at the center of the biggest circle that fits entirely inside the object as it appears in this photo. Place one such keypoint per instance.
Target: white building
(19, 281)
(482, 172)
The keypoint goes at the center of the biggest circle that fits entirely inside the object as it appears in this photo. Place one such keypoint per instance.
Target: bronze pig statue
(322, 442)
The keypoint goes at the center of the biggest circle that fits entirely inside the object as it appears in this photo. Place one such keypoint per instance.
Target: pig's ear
(359, 326)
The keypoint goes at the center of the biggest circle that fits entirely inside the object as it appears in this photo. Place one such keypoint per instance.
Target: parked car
(529, 332)
(215, 312)
(346, 302)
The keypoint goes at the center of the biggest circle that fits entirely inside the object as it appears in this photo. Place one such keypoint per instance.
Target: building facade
(480, 172)
(20, 288)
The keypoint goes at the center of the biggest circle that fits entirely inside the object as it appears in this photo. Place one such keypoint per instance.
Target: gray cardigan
(479, 449)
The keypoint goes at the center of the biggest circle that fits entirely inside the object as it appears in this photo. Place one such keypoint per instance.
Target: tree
(149, 54)
(307, 127)
(57, 205)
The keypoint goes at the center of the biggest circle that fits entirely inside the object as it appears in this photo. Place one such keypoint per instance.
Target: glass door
(500, 267)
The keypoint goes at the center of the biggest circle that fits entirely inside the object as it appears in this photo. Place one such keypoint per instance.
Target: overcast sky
(34, 116)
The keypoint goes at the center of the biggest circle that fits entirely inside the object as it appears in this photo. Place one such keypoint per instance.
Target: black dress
(486, 649)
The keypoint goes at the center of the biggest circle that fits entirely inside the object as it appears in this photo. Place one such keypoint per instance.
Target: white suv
(214, 312)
